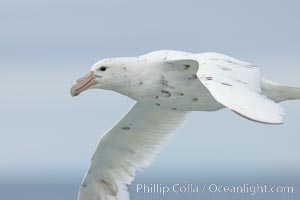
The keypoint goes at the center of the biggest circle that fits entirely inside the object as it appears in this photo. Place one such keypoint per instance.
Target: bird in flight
(167, 85)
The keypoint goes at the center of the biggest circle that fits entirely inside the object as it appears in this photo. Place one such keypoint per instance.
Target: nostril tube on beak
(91, 73)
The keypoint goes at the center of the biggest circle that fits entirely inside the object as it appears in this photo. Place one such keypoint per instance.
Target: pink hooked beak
(83, 84)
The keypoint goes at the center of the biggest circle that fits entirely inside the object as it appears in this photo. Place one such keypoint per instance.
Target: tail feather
(279, 93)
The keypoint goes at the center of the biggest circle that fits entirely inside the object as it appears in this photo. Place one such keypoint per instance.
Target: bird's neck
(137, 79)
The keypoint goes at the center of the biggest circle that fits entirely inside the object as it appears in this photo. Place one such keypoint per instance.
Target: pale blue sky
(46, 45)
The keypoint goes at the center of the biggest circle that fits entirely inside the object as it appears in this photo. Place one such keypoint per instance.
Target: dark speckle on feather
(243, 65)
(231, 62)
(243, 82)
(225, 68)
(187, 66)
(112, 189)
(227, 84)
(194, 76)
(209, 78)
(195, 99)
(125, 128)
(164, 82)
(105, 182)
(166, 92)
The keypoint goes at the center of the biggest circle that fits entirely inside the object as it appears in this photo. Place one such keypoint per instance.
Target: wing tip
(277, 119)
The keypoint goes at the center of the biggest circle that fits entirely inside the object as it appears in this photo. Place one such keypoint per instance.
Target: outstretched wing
(235, 84)
(130, 145)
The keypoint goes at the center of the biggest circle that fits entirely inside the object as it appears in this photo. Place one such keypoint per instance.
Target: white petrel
(167, 85)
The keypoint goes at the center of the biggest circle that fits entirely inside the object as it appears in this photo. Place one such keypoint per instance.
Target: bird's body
(150, 78)
(167, 85)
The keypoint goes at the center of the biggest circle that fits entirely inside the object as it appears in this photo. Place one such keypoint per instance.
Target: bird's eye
(102, 68)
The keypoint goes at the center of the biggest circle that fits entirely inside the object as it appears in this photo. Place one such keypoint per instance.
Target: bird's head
(109, 73)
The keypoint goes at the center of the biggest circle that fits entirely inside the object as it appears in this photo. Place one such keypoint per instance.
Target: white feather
(235, 84)
(129, 146)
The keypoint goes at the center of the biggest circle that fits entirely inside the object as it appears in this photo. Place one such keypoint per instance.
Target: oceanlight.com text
(247, 189)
